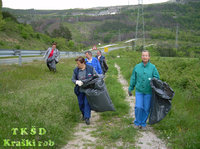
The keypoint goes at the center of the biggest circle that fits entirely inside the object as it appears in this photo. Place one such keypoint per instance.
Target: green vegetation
(30, 93)
(1, 20)
(115, 126)
(181, 126)
(89, 28)
(62, 32)
(121, 26)
(31, 96)
(15, 35)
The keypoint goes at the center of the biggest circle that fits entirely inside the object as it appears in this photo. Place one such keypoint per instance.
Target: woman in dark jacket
(82, 72)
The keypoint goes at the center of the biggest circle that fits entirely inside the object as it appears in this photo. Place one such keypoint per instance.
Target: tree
(62, 31)
(1, 19)
(9, 15)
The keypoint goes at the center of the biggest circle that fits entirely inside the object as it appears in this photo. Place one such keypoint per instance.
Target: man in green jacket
(140, 80)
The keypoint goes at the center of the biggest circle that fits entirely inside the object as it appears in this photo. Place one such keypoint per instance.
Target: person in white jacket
(52, 56)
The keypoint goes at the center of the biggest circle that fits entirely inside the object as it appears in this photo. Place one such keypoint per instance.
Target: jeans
(84, 105)
(142, 108)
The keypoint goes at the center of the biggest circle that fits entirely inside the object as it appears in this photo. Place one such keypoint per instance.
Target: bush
(18, 47)
(62, 31)
(9, 15)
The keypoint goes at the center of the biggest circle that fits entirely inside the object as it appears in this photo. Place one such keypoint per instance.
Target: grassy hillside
(88, 26)
(181, 126)
(101, 25)
(15, 35)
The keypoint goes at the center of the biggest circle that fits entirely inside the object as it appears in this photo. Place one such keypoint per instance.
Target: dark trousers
(84, 105)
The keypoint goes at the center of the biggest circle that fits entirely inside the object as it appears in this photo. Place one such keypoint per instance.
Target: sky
(68, 4)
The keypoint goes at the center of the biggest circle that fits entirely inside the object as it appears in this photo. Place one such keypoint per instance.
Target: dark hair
(80, 59)
(89, 52)
(54, 43)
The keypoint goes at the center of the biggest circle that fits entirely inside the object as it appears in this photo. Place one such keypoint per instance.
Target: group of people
(91, 66)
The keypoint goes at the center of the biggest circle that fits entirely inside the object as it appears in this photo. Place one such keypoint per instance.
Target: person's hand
(79, 83)
(129, 93)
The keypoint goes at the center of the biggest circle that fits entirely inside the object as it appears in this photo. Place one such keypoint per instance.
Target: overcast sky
(67, 4)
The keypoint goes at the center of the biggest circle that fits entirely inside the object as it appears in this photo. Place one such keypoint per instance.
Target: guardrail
(20, 53)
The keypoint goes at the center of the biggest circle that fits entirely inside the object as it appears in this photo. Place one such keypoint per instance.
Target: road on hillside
(31, 59)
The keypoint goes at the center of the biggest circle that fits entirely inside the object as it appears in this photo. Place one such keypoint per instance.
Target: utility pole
(140, 14)
(77, 19)
(177, 28)
(119, 36)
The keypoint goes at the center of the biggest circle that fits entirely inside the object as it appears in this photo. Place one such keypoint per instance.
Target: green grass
(115, 126)
(181, 126)
(31, 96)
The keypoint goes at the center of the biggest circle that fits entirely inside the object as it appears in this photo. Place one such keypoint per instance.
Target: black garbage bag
(97, 94)
(162, 95)
(51, 63)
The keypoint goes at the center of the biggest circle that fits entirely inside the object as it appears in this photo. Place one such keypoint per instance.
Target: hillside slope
(111, 24)
(15, 35)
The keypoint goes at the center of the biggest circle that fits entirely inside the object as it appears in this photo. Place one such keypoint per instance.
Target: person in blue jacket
(94, 62)
(82, 72)
(140, 80)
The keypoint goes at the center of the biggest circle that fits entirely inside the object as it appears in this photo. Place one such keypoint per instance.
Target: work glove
(129, 93)
(79, 83)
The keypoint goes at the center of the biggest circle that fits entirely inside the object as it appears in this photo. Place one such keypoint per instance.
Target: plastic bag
(97, 94)
(162, 95)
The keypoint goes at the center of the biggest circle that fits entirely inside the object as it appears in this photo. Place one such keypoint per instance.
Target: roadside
(14, 60)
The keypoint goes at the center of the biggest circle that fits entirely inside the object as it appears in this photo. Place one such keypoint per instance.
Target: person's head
(54, 45)
(99, 53)
(145, 56)
(88, 54)
(80, 61)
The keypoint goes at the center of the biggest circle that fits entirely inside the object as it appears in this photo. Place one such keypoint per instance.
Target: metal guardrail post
(20, 58)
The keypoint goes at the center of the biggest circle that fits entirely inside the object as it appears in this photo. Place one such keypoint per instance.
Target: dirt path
(83, 133)
(147, 139)
(82, 136)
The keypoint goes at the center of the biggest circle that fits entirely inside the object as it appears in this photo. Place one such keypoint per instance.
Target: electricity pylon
(140, 14)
